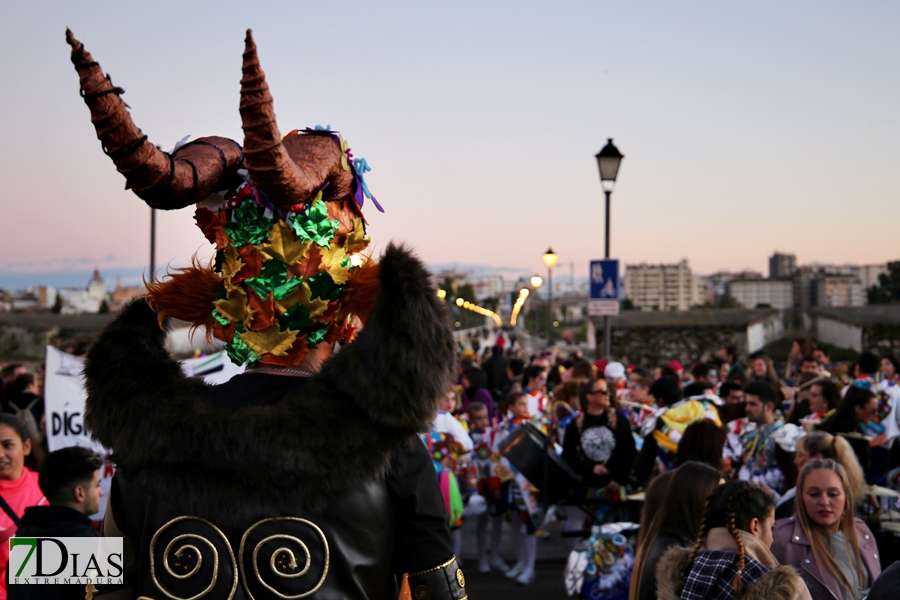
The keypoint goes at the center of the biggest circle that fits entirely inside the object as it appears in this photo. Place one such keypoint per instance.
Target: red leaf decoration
(309, 265)
(263, 311)
(293, 358)
(210, 224)
(252, 263)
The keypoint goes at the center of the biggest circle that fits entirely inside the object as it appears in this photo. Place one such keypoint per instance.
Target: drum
(526, 449)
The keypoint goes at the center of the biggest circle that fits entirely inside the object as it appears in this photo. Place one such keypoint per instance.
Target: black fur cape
(336, 433)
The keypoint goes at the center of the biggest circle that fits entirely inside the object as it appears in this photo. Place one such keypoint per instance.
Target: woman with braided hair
(672, 520)
(731, 558)
(834, 552)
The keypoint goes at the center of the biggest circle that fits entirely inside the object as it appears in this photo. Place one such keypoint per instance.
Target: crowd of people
(750, 478)
(42, 494)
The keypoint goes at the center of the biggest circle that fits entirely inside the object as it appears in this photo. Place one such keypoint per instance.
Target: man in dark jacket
(70, 479)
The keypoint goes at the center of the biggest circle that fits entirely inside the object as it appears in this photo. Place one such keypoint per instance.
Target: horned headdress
(284, 214)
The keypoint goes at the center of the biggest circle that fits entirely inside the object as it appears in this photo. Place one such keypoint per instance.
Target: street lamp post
(550, 260)
(608, 161)
(536, 282)
(152, 244)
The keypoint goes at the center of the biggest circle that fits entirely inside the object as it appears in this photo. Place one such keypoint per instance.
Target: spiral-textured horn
(268, 161)
(162, 180)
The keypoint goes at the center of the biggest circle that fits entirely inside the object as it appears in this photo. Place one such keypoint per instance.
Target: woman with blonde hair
(819, 444)
(834, 552)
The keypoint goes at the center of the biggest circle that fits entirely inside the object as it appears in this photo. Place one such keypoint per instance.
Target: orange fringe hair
(187, 294)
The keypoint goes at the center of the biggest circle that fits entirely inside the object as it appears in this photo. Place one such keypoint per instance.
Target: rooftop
(699, 317)
(873, 314)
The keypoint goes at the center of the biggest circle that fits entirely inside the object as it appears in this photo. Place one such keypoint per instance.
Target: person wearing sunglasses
(598, 444)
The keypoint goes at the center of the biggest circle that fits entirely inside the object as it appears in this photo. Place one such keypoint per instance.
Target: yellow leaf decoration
(284, 244)
(316, 307)
(232, 263)
(356, 239)
(234, 306)
(270, 341)
(344, 147)
(291, 299)
(332, 258)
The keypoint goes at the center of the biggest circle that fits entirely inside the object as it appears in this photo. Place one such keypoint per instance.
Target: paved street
(552, 554)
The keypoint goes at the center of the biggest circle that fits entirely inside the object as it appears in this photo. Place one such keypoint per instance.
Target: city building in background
(839, 290)
(762, 293)
(663, 287)
(782, 266)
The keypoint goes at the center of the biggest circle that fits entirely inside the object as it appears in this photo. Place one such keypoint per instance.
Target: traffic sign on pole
(604, 295)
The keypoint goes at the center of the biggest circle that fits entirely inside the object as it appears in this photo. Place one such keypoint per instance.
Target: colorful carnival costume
(662, 431)
(272, 484)
(450, 446)
(767, 450)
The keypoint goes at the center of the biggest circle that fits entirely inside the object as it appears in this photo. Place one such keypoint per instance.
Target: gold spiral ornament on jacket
(287, 557)
(190, 558)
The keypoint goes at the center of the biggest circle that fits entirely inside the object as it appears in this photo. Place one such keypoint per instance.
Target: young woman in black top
(598, 444)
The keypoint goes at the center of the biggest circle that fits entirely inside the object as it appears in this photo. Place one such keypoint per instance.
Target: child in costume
(519, 495)
(486, 460)
(302, 477)
(450, 447)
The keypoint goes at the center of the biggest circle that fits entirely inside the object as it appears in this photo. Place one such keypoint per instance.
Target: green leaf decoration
(273, 274)
(239, 352)
(248, 226)
(282, 291)
(317, 335)
(314, 225)
(323, 286)
(295, 318)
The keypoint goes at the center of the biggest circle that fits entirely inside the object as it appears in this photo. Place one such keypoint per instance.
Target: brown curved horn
(267, 160)
(187, 176)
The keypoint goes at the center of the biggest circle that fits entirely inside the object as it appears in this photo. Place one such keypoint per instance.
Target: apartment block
(663, 287)
(840, 290)
(750, 293)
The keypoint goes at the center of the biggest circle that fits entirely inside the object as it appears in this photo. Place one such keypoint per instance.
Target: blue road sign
(605, 279)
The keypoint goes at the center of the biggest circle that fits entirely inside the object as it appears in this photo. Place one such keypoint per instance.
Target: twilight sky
(746, 127)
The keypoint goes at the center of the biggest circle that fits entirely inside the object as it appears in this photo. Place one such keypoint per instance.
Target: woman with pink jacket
(834, 552)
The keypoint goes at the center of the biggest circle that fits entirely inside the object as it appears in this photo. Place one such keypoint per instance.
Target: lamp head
(550, 258)
(608, 161)
(537, 281)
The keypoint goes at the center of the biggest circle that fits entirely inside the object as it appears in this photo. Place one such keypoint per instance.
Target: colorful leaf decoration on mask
(270, 341)
(273, 274)
(253, 263)
(284, 289)
(263, 311)
(309, 265)
(322, 286)
(210, 224)
(248, 225)
(336, 263)
(317, 335)
(313, 225)
(239, 352)
(284, 245)
(231, 262)
(356, 239)
(295, 318)
(234, 306)
(315, 307)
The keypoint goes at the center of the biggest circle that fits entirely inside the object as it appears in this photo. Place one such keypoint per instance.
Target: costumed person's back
(304, 476)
